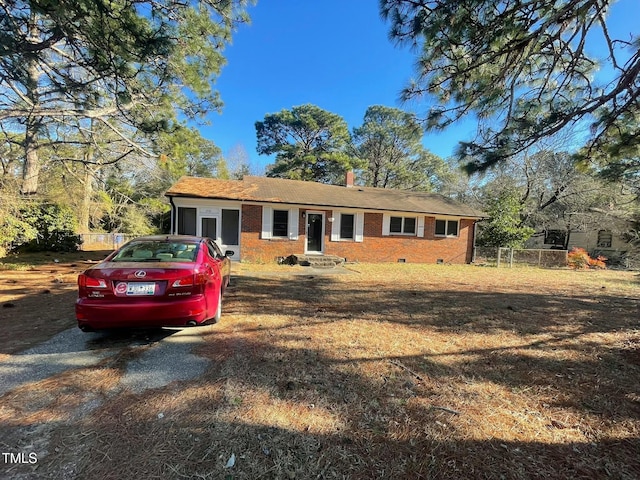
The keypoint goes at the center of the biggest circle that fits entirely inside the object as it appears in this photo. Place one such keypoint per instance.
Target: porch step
(315, 261)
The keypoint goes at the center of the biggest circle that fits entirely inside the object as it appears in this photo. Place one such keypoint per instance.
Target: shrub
(54, 226)
(14, 232)
(598, 262)
(579, 259)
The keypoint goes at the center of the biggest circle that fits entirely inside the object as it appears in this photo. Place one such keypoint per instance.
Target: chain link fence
(517, 257)
(103, 241)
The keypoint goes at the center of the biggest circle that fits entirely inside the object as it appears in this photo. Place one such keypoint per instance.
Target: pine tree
(310, 144)
(129, 66)
(390, 143)
(523, 67)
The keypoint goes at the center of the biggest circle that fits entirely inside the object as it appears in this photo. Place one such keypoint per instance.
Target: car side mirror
(229, 253)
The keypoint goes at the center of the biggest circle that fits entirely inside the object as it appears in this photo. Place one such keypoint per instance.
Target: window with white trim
(279, 223)
(187, 221)
(447, 228)
(402, 225)
(280, 226)
(347, 224)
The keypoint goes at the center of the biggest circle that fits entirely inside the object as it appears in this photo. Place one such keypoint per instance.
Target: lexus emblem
(140, 274)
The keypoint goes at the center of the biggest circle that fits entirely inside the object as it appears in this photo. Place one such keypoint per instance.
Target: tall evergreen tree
(390, 143)
(185, 152)
(309, 143)
(504, 226)
(617, 159)
(116, 62)
(524, 67)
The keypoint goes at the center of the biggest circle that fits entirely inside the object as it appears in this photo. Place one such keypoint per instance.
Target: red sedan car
(155, 281)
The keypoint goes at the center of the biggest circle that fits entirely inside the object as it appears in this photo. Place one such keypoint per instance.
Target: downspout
(473, 243)
(474, 233)
(174, 217)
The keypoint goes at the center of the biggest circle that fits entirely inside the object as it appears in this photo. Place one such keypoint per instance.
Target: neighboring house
(602, 241)
(263, 219)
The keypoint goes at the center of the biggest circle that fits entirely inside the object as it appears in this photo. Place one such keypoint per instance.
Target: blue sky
(331, 53)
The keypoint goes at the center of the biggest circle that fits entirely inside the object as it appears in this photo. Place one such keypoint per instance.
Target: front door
(315, 232)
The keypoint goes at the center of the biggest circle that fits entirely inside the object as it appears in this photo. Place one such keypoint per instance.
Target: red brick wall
(375, 247)
(251, 219)
(428, 249)
(255, 249)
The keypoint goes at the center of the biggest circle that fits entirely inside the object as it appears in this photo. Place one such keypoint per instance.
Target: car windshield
(157, 251)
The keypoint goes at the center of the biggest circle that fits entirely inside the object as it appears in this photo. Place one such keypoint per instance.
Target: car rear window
(157, 252)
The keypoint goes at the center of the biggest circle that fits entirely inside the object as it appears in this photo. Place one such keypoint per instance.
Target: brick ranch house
(262, 219)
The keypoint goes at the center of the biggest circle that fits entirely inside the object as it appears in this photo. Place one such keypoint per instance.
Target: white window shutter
(359, 236)
(267, 222)
(293, 223)
(335, 226)
(421, 226)
(386, 224)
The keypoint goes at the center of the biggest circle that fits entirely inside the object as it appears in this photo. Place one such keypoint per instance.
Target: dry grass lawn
(393, 371)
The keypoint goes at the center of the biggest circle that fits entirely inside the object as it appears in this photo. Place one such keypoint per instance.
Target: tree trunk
(87, 195)
(31, 167)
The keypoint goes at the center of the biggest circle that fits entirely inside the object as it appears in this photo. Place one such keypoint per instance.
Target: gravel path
(166, 357)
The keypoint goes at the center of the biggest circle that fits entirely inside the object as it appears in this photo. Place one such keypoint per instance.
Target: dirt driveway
(400, 371)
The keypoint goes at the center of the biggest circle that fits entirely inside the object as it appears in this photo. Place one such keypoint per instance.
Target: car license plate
(141, 288)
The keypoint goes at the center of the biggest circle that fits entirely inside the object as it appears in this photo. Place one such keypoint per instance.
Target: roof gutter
(476, 217)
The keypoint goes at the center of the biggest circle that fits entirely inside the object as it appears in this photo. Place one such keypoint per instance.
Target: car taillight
(90, 282)
(183, 282)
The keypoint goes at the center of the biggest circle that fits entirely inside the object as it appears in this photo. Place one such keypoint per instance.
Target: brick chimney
(349, 178)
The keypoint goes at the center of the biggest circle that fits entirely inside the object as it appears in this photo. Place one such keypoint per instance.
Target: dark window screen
(280, 223)
(230, 227)
(186, 221)
(395, 225)
(409, 225)
(209, 227)
(346, 225)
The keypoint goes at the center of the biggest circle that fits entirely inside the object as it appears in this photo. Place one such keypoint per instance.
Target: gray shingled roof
(312, 194)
